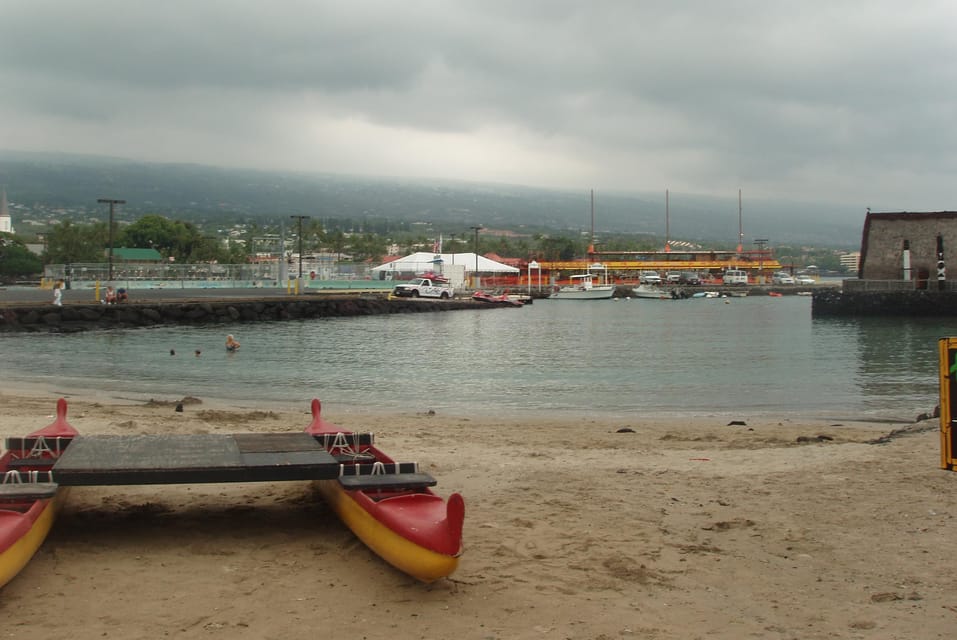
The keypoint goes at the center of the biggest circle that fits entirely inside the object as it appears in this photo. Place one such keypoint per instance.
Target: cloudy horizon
(840, 102)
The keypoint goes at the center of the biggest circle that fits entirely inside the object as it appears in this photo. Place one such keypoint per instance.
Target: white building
(6, 223)
(458, 267)
(850, 261)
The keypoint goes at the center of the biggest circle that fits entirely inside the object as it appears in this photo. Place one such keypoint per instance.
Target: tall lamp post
(300, 219)
(111, 202)
(476, 229)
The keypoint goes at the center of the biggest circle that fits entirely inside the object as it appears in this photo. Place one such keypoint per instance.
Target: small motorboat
(593, 285)
(503, 299)
(651, 292)
(435, 277)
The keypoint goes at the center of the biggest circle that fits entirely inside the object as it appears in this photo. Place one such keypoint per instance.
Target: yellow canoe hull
(420, 563)
(16, 557)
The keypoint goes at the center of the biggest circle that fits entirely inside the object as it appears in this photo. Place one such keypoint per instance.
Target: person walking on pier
(58, 293)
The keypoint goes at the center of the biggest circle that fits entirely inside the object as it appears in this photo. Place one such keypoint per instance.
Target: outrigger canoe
(29, 499)
(389, 505)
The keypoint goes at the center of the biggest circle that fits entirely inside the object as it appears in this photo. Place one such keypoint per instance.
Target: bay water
(732, 357)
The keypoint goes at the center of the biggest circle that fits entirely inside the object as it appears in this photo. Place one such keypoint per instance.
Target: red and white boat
(389, 505)
(29, 499)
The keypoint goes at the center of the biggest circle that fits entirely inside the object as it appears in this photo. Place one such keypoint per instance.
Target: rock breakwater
(83, 317)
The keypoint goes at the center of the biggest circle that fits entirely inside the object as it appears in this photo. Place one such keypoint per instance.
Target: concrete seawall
(82, 317)
(920, 303)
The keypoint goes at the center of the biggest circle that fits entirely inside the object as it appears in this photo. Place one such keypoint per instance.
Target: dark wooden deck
(189, 459)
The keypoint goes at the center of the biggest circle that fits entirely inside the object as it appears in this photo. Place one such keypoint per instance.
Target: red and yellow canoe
(389, 505)
(29, 499)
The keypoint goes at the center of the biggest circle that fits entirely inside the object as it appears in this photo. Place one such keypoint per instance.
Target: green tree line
(185, 242)
(69, 242)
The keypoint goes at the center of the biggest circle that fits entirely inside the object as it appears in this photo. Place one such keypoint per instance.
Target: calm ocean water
(734, 357)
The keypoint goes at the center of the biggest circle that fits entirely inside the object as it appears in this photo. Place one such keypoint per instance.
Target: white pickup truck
(424, 287)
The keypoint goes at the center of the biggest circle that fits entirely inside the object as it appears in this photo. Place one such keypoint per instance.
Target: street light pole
(476, 229)
(300, 219)
(111, 202)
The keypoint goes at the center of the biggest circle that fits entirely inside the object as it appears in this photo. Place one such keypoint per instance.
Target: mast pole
(740, 225)
(667, 222)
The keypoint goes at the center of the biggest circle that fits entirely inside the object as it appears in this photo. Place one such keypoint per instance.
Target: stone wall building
(908, 267)
(892, 242)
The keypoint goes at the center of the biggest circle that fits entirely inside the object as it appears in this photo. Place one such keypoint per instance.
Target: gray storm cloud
(829, 101)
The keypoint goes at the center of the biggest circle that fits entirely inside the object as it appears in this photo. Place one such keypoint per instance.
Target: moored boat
(29, 499)
(651, 292)
(586, 286)
(389, 505)
(503, 299)
(521, 298)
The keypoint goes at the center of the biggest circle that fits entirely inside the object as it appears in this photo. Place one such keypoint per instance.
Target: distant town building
(851, 261)
(905, 246)
(6, 222)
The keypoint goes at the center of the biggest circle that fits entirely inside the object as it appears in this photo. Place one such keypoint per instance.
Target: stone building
(904, 246)
(908, 267)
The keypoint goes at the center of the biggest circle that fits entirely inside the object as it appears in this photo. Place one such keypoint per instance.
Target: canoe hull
(398, 550)
(25, 533)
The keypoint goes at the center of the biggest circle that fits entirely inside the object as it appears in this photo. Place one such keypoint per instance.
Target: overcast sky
(820, 100)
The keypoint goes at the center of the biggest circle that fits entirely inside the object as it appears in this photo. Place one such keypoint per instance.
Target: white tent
(425, 261)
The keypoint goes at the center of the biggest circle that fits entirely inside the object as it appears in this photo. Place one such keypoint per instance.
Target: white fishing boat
(651, 292)
(593, 285)
(586, 286)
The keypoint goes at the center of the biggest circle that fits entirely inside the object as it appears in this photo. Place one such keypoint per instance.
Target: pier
(188, 308)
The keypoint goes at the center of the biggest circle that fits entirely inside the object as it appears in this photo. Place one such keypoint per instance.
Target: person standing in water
(231, 344)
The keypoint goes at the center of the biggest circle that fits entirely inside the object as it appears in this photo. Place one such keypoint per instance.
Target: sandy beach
(594, 530)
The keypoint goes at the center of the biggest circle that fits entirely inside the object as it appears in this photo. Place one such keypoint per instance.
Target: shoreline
(625, 417)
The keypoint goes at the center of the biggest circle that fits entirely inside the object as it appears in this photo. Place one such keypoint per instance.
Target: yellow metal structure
(948, 388)
(661, 265)
(697, 260)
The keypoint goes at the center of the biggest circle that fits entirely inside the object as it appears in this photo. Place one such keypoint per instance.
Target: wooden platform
(189, 459)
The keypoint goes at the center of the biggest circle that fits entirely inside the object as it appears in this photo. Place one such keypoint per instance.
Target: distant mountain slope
(60, 180)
